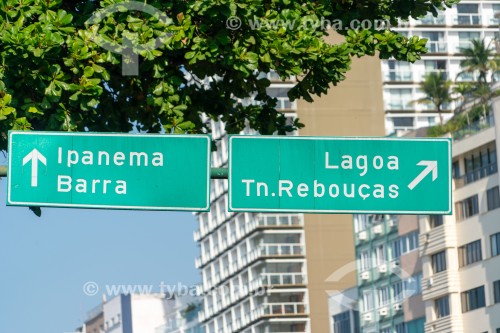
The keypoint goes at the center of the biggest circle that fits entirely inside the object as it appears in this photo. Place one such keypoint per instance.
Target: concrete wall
(353, 108)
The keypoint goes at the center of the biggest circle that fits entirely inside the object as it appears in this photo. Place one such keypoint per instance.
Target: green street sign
(339, 175)
(118, 171)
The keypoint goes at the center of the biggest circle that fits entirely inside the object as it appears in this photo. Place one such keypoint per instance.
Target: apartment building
(389, 274)
(183, 316)
(144, 313)
(451, 30)
(269, 272)
(460, 253)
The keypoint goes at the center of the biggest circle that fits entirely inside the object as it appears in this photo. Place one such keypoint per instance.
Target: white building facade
(461, 252)
(253, 265)
(451, 30)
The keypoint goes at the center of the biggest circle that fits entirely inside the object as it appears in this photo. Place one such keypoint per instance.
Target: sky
(46, 262)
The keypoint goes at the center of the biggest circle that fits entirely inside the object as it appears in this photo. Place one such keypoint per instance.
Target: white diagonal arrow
(34, 157)
(430, 166)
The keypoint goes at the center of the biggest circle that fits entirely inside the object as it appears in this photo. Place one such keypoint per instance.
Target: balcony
(261, 221)
(475, 175)
(197, 235)
(396, 103)
(474, 128)
(440, 284)
(399, 76)
(284, 104)
(437, 47)
(445, 325)
(284, 309)
(272, 250)
(429, 19)
(467, 19)
(275, 78)
(437, 239)
(283, 279)
(280, 220)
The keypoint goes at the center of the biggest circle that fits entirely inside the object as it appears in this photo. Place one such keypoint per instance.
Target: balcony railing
(284, 103)
(281, 249)
(280, 220)
(474, 128)
(284, 309)
(467, 19)
(476, 175)
(283, 278)
(431, 20)
(394, 75)
(399, 104)
(436, 47)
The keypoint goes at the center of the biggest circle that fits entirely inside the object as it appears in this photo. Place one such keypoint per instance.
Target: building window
(438, 262)
(473, 299)
(467, 208)
(380, 258)
(400, 99)
(367, 300)
(398, 71)
(404, 244)
(435, 43)
(435, 221)
(468, 14)
(364, 261)
(397, 291)
(495, 244)
(436, 66)
(465, 37)
(342, 322)
(400, 328)
(386, 330)
(396, 249)
(383, 296)
(403, 121)
(470, 253)
(493, 197)
(442, 306)
(479, 165)
(496, 291)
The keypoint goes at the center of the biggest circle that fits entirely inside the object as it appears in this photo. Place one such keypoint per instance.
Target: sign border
(105, 206)
(335, 211)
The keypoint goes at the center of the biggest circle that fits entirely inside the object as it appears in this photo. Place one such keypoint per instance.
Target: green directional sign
(339, 175)
(121, 171)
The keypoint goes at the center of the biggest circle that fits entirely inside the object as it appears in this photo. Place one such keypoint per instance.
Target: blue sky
(44, 262)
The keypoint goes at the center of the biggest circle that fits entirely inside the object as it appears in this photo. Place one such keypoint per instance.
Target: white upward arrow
(430, 166)
(34, 157)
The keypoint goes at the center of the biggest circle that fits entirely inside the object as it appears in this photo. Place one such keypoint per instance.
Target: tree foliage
(53, 75)
(480, 58)
(436, 88)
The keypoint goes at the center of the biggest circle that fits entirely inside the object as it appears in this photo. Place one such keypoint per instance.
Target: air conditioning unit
(392, 223)
(362, 235)
(367, 317)
(398, 307)
(382, 268)
(429, 283)
(383, 312)
(377, 229)
(395, 265)
(365, 275)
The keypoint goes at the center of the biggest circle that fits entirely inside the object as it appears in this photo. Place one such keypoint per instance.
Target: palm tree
(480, 58)
(437, 91)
